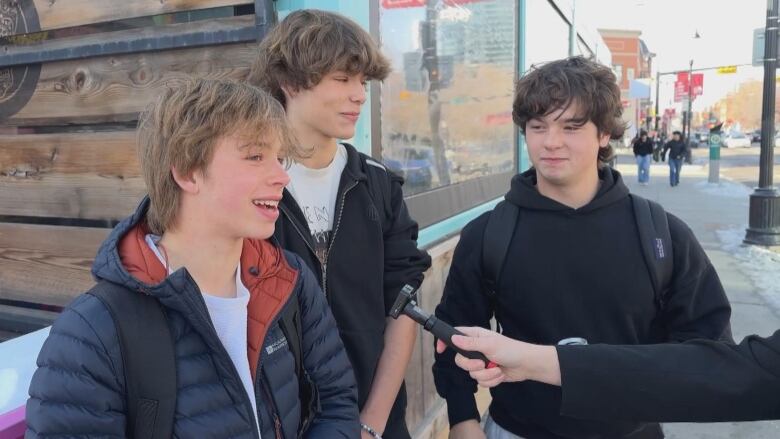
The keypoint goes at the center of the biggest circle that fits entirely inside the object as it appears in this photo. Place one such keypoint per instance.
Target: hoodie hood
(524, 193)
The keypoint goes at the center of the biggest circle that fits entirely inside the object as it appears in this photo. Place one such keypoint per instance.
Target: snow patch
(724, 189)
(761, 265)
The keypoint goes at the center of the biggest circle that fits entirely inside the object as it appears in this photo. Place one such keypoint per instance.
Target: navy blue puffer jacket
(78, 389)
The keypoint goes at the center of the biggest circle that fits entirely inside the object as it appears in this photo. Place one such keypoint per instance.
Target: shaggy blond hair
(307, 45)
(180, 129)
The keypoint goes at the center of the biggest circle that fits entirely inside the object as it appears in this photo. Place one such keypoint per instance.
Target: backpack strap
(495, 245)
(656, 243)
(379, 182)
(148, 359)
(495, 242)
(290, 324)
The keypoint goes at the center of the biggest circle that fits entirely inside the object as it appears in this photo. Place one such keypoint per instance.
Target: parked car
(736, 140)
(755, 136)
(414, 164)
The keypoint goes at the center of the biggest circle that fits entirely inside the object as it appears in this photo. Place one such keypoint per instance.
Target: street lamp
(689, 116)
(764, 218)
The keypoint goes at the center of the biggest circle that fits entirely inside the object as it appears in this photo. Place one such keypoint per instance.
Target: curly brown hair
(558, 84)
(180, 129)
(307, 45)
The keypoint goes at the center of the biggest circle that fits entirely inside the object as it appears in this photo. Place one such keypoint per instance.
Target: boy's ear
(187, 182)
(289, 91)
(604, 140)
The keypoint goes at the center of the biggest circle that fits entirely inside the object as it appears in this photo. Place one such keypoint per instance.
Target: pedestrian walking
(676, 150)
(643, 151)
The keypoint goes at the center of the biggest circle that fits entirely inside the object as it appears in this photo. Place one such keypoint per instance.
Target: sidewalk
(718, 216)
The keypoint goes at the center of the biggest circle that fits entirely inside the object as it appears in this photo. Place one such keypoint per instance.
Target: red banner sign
(395, 4)
(680, 90)
(698, 85)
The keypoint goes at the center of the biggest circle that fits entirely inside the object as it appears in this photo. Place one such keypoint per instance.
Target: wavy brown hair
(180, 129)
(307, 45)
(576, 80)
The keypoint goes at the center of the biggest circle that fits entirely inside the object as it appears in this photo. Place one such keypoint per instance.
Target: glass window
(618, 72)
(630, 73)
(446, 108)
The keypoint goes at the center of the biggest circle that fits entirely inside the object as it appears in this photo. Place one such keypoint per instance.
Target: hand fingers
(469, 364)
(474, 331)
(487, 375)
(491, 383)
(440, 346)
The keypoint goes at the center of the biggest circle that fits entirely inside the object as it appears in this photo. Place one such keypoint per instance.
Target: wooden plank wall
(68, 168)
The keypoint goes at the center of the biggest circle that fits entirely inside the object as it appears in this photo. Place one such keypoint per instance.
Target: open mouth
(270, 205)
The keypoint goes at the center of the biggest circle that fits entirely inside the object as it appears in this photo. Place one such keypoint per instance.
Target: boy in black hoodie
(343, 212)
(575, 266)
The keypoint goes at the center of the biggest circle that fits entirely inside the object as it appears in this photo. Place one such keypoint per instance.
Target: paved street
(738, 164)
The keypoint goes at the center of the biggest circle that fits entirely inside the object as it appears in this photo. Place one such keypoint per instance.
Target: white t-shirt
(315, 191)
(229, 316)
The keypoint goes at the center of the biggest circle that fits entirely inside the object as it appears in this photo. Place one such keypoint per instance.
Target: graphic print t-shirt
(315, 191)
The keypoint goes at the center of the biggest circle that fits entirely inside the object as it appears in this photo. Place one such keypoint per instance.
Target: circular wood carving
(17, 83)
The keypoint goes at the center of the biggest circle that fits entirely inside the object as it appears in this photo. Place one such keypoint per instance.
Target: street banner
(698, 84)
(680, 90)
(397, 4)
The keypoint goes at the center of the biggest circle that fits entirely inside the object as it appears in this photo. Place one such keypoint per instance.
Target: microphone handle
(444, 332)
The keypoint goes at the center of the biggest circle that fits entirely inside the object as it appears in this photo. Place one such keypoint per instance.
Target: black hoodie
(573, 273)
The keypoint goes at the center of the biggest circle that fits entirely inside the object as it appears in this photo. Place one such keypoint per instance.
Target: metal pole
(690, 103)
(573, 30)
(764, 218)
(657, 90)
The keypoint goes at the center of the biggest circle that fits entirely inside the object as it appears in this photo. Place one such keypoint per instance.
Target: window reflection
(446, 107)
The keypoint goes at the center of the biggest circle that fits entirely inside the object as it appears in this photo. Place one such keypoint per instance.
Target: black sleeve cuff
(461, 406)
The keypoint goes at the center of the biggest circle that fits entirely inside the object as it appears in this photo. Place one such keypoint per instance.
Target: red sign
(498, 118)
(682, 79)
(394, 4)
(698, 84)
(680, 90)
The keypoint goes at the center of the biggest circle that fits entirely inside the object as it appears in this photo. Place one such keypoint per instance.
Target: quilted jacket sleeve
(77, 390)
(327, 363)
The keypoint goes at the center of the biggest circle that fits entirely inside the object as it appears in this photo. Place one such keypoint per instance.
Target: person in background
(643, 151)
(674, 151)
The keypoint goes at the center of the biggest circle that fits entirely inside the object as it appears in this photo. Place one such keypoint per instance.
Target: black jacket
(373, 253)
(573, 273)
(696, 381)
(676, 149)
(643, 147)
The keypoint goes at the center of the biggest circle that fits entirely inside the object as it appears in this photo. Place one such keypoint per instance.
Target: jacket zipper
(267, 397)
(303, 237)
(225, 354)
(262, 382)
(333, 239)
